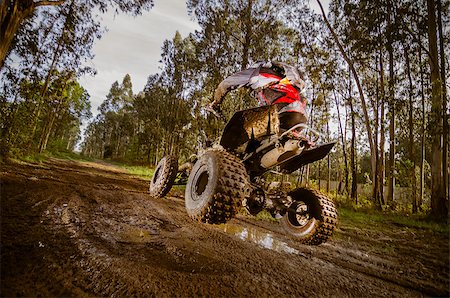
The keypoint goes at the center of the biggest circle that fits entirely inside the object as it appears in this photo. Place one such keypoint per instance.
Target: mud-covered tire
(165, 174)
(319, 221)
(217, 185)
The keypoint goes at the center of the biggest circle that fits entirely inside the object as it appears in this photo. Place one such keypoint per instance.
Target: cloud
(315, 6)
(133, 45)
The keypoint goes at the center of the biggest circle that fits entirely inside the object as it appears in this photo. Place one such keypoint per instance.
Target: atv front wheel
(165, 174)
(311, 217)
(216, 186)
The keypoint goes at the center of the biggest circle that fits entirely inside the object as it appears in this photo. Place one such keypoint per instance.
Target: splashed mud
(257, 236)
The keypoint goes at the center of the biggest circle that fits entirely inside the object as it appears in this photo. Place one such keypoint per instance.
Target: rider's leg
(289, 119)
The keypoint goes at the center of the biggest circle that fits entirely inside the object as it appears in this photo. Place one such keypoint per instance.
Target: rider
(273, 83)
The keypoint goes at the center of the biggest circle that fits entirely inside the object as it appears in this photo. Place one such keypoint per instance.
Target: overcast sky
(133, 45)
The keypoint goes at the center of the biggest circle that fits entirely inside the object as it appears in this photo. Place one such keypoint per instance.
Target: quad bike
(233, 174)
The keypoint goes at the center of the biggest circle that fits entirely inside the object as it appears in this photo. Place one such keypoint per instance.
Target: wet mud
(88, 229)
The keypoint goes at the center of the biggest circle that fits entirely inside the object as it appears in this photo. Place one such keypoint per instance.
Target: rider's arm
(220, 93)
(234, 81)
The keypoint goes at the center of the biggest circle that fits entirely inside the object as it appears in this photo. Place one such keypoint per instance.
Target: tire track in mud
(99, 186)
(102, 235)
(364, 262)
(361, 261)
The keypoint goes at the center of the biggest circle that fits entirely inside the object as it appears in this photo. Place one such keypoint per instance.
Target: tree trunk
(391, 164)
(12, 15)
(318, 172)
(412, 156)
(422, 137)
(381, 166)
(53, 113)
(339, 177)
(344, 153)
(354, 193)
(354, 189)
(360, 90)
(307, 176)
(44, 89)
(119, 137)
(47, 131)
(445, 116)
(328, 156)
(329, 173)
(248, 34)
(376, 183)
(69, 143)
(311, 119)
(439, 206)
(439, 203)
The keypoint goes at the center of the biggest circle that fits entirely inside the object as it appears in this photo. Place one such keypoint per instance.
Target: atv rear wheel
(311, 217)
(216, 186)
(165, 174)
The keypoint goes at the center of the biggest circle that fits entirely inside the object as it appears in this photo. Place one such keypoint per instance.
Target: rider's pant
(289, 119)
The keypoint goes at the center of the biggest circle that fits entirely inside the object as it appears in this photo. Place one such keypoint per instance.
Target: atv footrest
(306, 157)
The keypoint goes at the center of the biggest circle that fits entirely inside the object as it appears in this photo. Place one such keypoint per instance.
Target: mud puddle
(254, 235)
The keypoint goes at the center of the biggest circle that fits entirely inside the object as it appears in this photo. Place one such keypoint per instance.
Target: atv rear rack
(303, 126)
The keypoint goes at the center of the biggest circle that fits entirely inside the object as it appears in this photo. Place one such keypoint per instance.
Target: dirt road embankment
(87, 229)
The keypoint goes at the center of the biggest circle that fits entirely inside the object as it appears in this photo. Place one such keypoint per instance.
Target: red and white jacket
(273, 83)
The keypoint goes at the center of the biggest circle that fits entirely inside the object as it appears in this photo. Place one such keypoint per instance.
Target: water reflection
(262, 239)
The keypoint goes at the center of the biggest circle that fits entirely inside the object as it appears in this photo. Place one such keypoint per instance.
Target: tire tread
(231, 190)
(169, 174)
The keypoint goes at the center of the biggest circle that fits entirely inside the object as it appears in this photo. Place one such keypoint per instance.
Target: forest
(376, 71)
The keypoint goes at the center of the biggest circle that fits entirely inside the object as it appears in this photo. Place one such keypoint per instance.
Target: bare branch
(49, 3)
(358, 83)
(414, 37)
(236, 37)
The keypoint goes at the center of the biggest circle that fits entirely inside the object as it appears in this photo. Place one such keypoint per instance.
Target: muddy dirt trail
(88, 229)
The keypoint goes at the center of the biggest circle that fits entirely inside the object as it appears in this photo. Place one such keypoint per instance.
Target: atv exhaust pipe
(281, 153)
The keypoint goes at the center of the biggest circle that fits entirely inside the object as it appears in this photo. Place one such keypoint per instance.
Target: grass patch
(34, 158)
(70, 156)
(265, 215)
(41, 157)
(181, 188)
(143, 172)
(362, 220)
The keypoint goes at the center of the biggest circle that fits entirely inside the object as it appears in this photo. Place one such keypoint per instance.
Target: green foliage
(141, 171)
(364, 203)
(42, 105)
(363, 219)
(34, 158)
(264, 215)
(40, 101)
(32, 124)
(371, 218)
(156, 122)
(42, 157)
(70, 155)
